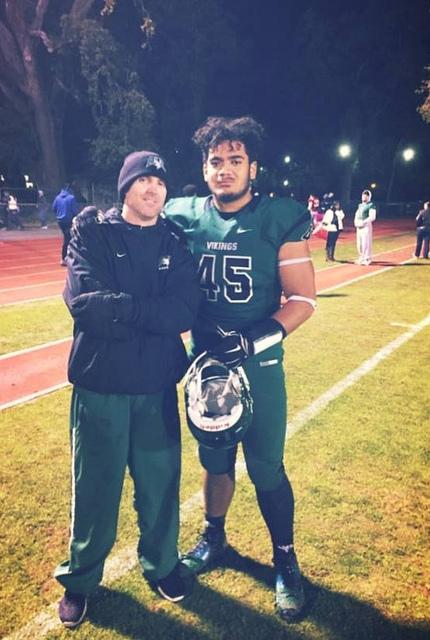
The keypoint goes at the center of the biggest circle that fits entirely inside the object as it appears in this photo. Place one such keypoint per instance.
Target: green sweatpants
(108, 433)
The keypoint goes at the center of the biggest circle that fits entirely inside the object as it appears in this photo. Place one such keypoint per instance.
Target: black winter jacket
(131, 291)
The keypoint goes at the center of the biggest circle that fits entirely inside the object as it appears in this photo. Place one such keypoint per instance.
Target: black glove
(235, 347)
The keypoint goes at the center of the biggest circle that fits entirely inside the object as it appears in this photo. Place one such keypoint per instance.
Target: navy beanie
(140, 163)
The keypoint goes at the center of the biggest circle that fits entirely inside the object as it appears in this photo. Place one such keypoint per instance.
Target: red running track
(42, 369)
(30, 269)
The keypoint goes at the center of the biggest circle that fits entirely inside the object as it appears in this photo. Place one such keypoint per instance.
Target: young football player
(250, 249)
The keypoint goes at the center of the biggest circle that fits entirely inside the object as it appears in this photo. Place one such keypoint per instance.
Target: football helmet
(218, 402)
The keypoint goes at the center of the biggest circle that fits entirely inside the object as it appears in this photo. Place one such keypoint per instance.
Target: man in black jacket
(131, 289)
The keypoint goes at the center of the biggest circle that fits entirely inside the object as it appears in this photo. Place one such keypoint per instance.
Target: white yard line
(50, 389)
(33, 396)
(321, 403)
(125, 560)
(405, 325)
(13, 354)
(363, 277)
(33, 286)
(375, 255)
(28, 300)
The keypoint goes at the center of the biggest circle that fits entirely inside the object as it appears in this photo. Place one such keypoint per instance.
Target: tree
(122, 115)
(37, 42)
(24, 45)
(188, 68)
(424, 109)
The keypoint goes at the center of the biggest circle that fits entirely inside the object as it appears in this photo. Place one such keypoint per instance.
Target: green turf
(31, 324)
(360, 473)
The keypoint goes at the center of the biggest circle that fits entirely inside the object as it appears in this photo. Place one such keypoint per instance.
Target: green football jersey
(237, 255)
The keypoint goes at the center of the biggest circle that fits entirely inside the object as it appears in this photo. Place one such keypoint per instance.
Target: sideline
(333, 287)
(125, 560)
(29, 300)
(332, 268)
(13, 354)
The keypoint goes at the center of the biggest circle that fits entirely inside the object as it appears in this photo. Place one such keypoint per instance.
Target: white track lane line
(363, 277)
(125, 560)
(322, 291)
(33, 286)
(29, 300)
(375, 255)
(12, 354)
(33, 396)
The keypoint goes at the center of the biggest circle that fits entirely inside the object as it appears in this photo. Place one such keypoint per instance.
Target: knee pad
(217, 462)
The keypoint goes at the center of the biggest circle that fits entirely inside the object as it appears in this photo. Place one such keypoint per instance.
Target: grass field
(360, 470)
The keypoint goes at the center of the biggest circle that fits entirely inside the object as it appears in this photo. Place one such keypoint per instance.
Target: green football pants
(263, 443)
(108, 433)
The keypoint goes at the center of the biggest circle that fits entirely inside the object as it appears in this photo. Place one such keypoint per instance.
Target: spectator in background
(13, 218)
(65, 207)
(42, 209)
(423, 231)
(364, 218)
(3, 204)
(315, 210)
(189, 190)
(332, 223)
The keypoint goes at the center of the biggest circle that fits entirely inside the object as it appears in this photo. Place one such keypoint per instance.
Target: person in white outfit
(364, 218)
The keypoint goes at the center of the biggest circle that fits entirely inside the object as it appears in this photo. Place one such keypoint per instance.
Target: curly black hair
(218, 129)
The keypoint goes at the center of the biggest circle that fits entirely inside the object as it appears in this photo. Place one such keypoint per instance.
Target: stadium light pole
(345, 152)
(407, 154)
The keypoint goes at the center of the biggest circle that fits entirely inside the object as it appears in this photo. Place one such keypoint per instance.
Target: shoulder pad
(286, 220)
(186, 207)
(92, 215)
(174, 229)
(87, 216)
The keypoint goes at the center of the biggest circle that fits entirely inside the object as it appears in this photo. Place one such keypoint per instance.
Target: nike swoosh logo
(120, 255)
(234, 349)
(243, 230)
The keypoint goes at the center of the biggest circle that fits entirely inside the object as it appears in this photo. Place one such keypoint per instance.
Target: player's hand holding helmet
(218, 402)
(235, 347)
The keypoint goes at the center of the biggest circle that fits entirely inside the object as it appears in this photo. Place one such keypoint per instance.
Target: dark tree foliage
(82, 82)
(58, 63)
(424, 109)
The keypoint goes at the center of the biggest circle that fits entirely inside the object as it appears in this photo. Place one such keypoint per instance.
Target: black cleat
(290, 598)
(208, 550)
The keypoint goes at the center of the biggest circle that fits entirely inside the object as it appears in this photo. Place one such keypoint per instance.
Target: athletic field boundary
(125, 560)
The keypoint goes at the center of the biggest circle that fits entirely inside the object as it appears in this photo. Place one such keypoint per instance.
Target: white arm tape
(264, 342)
(284, 263)
(310, 301)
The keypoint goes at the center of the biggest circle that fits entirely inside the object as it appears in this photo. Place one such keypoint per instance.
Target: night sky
(320, 73)
(316, 74)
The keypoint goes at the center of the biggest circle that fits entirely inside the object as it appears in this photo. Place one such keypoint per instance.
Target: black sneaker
(290, 598)
(209, 548)
(173, 587)
(72, 609)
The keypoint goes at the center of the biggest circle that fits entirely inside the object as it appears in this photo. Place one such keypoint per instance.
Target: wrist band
(310, 301)
(265, 334)
(284, 263)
